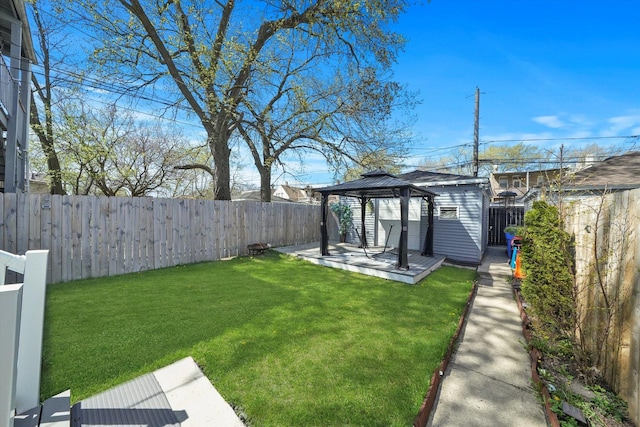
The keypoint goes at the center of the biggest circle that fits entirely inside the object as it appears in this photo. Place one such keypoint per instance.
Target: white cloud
(549, 121)
(623, 124)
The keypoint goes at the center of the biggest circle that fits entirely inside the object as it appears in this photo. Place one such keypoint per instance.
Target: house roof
(15, 9)
(375, 184)
(255, 196)
(428, 179)
(292, 192)
(614, 172)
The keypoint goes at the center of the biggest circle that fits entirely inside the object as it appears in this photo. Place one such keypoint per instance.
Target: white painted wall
(389, 215)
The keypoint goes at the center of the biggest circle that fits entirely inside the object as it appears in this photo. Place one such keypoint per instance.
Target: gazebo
(380, 184)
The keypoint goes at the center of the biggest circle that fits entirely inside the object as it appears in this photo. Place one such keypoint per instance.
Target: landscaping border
(430, 398)
(535, 356)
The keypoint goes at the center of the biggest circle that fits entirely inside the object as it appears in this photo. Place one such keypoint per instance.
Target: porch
(374, 261)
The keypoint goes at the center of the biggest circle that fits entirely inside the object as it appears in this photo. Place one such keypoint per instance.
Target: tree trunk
(265, 183)
(221, 173)
(55, 173)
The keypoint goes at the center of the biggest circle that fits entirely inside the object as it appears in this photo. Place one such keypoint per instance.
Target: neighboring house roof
(256, 196)
(293, 193)
(297, 194)
(376, 184)
(426, 178)
(618, 172)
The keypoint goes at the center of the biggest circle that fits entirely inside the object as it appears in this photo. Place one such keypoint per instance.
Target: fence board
(76, 236)
(67, 253)
(86, 237)
(160, 221)
(217, 228)
(10, 225)
(90, 236)
(44, 230)
(102, 252)
(22, 221)
(113, 236)
(57, 242)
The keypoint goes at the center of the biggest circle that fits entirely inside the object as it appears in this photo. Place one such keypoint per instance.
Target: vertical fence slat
(77, 229)
(22, 222)
(45, 229)
(35, 218)
(103, 236)
(66, 227)
(136, 236)
(55, 251)
(86, 237)
(113, 236)
(10, 225)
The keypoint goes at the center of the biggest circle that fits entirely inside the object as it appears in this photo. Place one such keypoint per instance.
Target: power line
(560, 139)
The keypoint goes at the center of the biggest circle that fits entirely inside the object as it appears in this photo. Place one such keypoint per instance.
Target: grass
(289, 342)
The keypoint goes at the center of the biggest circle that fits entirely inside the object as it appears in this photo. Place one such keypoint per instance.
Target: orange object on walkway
(518, 273)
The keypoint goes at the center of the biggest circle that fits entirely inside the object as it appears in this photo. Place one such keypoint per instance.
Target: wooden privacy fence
(93, 236)
(606, 230)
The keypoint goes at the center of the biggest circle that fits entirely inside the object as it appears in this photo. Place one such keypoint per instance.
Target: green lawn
(289, 342)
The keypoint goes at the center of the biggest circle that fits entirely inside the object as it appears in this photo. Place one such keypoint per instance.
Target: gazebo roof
(375, 184)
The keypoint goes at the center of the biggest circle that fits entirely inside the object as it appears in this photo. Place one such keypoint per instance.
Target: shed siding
(460, 239)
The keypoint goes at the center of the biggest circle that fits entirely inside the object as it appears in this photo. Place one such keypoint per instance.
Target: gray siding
(462, 239)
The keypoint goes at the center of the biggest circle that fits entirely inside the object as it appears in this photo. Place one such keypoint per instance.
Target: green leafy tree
(107, 152)
(549, 285)
(379, 159)
(285, 75)
(506, 157)
(510, 157)
(345, 218)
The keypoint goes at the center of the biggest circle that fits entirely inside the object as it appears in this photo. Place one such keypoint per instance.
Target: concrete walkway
(488, 382)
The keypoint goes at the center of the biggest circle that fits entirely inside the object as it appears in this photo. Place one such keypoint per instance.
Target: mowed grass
(288, 342)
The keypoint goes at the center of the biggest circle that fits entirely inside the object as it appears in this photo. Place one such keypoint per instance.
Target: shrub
(549, 283)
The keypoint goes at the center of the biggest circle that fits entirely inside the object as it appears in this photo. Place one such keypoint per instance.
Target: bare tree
(108, 153)
(49, 45)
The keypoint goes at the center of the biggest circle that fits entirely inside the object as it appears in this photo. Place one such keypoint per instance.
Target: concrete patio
(373, 261)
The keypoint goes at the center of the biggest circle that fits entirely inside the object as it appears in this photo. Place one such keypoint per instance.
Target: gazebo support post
(324, 236)
(403, 261)
(363, 236)
(428, 239)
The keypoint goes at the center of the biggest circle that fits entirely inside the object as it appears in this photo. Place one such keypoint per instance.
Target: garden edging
(436, 378)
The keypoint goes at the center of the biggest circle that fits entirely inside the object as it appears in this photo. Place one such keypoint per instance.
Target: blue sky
(545, 69)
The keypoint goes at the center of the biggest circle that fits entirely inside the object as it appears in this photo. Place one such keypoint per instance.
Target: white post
(10, 307)
(31, 330)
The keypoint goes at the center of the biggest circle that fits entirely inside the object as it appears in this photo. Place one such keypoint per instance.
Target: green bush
(345, 216)
(549, 283)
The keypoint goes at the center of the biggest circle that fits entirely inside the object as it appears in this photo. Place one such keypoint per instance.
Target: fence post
(10, 308)
(31, 330)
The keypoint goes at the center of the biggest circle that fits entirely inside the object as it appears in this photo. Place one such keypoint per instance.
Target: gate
(499, 218)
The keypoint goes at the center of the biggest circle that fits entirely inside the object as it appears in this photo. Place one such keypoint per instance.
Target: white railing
(21, 328)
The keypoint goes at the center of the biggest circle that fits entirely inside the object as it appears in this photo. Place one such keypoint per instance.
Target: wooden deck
(372, 262)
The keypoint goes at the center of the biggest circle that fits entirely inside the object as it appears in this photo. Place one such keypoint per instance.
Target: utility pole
(476, 131)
